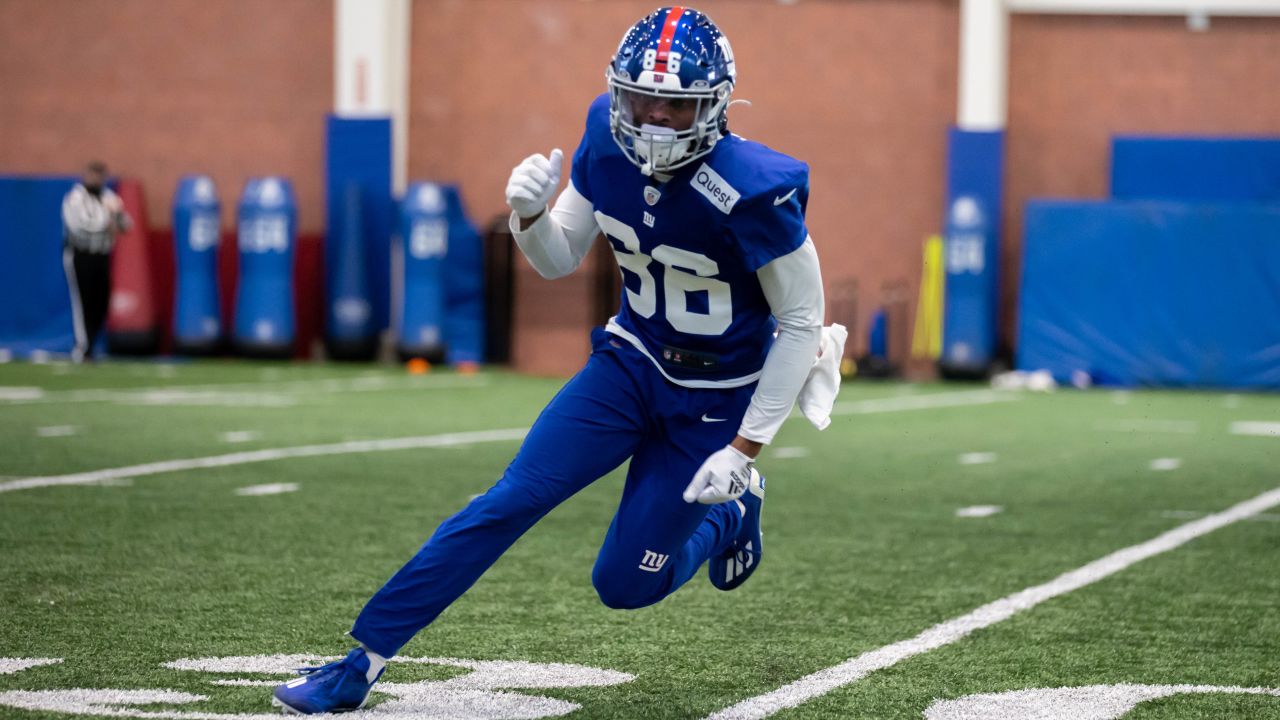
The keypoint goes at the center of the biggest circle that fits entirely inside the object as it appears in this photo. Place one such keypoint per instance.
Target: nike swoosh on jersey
(784, 198)
(711, 419)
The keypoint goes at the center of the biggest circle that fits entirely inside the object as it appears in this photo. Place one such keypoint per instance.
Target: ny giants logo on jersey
(714, 188)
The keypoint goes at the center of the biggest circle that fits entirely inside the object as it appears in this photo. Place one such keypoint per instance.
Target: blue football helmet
(669, 87)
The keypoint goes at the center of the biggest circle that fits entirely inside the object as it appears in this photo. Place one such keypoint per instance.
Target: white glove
(722, 477)
(533, 182)
(818, 394)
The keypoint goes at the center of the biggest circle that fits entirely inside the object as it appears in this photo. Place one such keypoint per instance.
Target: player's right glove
(722, 477)
(533, 182)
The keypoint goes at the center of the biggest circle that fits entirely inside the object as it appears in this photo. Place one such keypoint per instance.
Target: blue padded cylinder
(424, 238)
(264, 324)
(197, 324)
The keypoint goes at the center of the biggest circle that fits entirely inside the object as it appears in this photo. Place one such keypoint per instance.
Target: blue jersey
(689, 248)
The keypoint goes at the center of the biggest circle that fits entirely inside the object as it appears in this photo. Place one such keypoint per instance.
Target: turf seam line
(253, 456)
(854, 669)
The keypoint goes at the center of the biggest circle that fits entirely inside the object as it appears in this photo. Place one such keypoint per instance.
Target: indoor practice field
(135, 588)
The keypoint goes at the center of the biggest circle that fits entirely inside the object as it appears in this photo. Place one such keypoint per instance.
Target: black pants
(89, 277)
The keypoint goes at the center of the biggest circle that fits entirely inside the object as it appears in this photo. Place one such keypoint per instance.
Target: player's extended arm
(554, 242)
(792, 285)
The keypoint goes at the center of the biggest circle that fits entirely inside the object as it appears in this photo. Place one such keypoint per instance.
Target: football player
(687, 380)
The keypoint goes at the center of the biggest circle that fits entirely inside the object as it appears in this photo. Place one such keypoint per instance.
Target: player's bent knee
(624, 593)
(616, 599)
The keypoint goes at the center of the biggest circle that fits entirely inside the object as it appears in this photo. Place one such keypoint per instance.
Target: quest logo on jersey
(714, 188)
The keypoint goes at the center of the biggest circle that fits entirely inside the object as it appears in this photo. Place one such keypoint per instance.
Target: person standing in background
(91, 216)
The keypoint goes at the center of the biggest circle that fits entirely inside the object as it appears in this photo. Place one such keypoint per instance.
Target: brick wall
(161, 89)
(861, 89)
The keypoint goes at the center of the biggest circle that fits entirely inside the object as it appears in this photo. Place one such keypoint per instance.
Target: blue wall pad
(1203, 169)
(971, 240)
(358, 151)
(349, 330)
(33, 285)
(1152, 293)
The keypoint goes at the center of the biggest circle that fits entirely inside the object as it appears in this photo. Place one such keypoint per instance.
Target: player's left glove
(533, 182)
(722, 477)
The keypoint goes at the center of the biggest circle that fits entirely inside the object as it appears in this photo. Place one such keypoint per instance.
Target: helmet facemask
(664, 148)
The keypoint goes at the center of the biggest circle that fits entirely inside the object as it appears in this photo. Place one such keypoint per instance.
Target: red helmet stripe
(668, 34)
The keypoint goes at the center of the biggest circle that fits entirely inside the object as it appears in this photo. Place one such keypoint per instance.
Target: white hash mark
(268, 489)
(977, 511)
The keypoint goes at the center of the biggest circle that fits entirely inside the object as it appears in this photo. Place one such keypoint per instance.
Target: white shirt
(91, 222)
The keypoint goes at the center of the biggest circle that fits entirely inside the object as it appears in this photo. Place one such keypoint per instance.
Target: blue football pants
(616, 407)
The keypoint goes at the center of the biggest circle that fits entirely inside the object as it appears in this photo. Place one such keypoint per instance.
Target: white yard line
(1192, 514)
(9, 666)
(1254, 427)
(436, 441)
(168, 394)
(50, 431)
(854, 669)
(241, 458)
(924, 402)
(11, 393)
(1177, 427)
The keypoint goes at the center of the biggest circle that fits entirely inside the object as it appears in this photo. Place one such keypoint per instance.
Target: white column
(371, 70)
(984, 72)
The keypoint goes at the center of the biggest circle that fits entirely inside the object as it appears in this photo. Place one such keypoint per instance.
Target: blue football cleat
(340, 686)
(732, 567)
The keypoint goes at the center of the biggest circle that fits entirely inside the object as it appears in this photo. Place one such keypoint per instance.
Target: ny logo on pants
(653, 561)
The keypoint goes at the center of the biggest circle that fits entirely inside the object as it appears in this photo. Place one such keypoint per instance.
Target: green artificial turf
(865, 549)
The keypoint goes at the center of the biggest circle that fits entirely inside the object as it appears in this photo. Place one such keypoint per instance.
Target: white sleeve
(73, 212)
(793, 286)
(557, 241)
(117, 220)
(68, 214)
